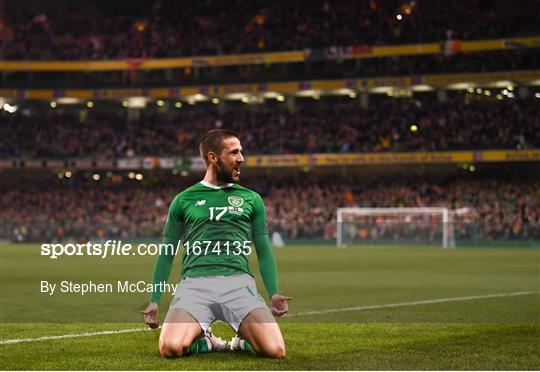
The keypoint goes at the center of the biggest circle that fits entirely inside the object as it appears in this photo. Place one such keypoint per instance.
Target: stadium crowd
(152, 29)
(302, 207)
(500, 209)
(345, 127)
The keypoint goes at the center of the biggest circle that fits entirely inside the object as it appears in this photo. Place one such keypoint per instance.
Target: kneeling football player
(218, 221)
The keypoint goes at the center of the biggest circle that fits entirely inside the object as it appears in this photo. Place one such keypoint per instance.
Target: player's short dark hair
(213, 141)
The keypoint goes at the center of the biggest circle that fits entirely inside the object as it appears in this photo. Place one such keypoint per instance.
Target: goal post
(369, 224)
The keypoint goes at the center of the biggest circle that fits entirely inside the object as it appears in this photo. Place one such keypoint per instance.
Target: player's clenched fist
(150, 315)
(280, 304)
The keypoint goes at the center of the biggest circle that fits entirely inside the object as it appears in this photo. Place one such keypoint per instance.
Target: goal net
(426, 225)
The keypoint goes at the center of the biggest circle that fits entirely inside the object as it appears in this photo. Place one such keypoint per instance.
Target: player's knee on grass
(167, 348)
(179, 331)
(274, 350)
(269, 348)
(172, 347)
(263, 333)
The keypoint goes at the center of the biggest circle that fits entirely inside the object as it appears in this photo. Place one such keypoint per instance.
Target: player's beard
(224, 173)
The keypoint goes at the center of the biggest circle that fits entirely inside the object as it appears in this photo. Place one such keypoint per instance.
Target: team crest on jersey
(235, 201)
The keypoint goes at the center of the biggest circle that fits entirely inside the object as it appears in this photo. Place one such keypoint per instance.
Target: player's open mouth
(236, 171)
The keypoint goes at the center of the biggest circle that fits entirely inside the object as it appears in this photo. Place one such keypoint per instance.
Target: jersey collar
(208, 184)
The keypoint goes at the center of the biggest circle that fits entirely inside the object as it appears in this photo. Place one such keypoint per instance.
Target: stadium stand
(314, 127)
(427, 122)
(101, 30)
(297, 206)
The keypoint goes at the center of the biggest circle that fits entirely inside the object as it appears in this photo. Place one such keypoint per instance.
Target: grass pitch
(358, 308)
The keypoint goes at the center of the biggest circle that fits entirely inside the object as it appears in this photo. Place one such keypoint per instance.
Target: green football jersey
(216, 226)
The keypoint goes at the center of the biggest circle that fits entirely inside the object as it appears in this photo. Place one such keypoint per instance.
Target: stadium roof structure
(448, 47)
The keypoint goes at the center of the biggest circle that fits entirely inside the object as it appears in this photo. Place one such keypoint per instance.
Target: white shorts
(210, 298)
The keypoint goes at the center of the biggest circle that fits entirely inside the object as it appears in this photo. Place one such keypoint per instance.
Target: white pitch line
(413, 303)
(357, 308)
(73, 335)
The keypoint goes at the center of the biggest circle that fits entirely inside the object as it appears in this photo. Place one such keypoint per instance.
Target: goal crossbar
(444, 212)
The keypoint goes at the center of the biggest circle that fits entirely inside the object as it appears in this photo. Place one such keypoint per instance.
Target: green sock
(247, 347)
(199, 346)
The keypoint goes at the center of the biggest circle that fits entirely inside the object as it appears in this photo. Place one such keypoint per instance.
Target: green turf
(484, 333)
